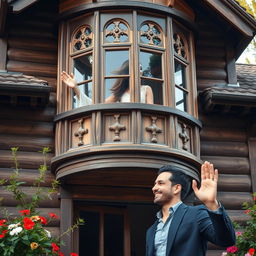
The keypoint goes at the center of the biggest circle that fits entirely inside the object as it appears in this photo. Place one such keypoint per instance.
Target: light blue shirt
(162, 231)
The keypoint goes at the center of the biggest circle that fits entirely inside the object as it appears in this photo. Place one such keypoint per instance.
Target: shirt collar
(171, 209)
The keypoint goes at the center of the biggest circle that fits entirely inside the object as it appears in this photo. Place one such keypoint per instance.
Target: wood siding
(223, 137)
(210, 55)
(32, 50)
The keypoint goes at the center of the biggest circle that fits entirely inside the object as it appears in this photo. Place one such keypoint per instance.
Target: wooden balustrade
(121, 136)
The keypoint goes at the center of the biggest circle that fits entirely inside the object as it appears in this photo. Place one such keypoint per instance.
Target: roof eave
(235, 15)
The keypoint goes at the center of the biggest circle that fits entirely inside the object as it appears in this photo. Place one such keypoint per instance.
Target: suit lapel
(177, 218)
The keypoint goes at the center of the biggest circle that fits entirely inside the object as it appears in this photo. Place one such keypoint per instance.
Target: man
(182, 230)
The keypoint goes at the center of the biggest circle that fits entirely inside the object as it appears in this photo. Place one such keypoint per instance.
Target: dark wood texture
(210, 54)
(229, 13)
(224, 143)
(32, 43)
(3, 14)
(32, 50)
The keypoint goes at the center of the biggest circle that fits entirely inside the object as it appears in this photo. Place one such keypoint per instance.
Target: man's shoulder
(199, 207)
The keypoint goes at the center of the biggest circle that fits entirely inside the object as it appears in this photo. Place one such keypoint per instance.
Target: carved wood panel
(80, 132)
(116, 128)
(154, 129)
(184, 137)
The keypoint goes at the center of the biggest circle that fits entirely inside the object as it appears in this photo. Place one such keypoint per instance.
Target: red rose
(73, 254)
(55, 247)
(25, 212)
(28, 223)
(247, 211)
(3, 233)
(53, 215)
(232, 249)
(60, 254)
(43, 220)
(251, 251)
(2, 222)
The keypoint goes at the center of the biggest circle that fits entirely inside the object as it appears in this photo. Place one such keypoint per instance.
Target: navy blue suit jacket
(191, 228)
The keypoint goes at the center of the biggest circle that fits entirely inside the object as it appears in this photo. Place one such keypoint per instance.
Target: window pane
(150, 64)
(113, 235)
(89, 234)
(117, 90)
(117, 63)
(180, 99)
(180, 77)
(156, 88)
(83, 68)
(85, 97)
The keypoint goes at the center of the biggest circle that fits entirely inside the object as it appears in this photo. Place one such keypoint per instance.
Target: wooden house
(106, 154)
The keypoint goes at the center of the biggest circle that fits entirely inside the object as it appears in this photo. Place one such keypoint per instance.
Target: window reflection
(83, 76)
(117, 71)
(83, 68)
(151, 78)
(180, 86)
(180, 99)
(180, 78)
(151, 64)
(114, 62)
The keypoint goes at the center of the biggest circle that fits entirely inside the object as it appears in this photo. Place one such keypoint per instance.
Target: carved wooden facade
(107, 154)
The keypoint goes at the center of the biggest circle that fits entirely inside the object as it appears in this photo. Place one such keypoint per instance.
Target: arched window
(82, 59)
(131, 57)
(181, 66)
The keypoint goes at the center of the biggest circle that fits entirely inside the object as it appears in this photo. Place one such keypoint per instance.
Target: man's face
(163, 189)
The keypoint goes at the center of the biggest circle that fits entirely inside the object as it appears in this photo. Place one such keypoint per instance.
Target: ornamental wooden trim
(81, 132)
(117, 128)
(154, 129)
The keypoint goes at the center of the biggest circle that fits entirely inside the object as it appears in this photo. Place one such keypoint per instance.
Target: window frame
(103, 209)
(134, 46)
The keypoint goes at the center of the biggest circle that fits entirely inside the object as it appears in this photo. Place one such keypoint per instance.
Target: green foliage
(250, 6)
(246, 240)
(26, 235)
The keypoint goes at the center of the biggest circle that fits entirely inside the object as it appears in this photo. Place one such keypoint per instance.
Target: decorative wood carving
(150, 34)
(82, 38)
(184, 136)
(81, 132)
(117, 128)
(179, 45)
(154, 129)
(115, 30)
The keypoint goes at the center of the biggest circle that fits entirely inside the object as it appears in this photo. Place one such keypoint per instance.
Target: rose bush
(26, 234)
(246, 239)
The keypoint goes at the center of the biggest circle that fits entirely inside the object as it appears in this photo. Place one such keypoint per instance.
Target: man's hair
(178, 177)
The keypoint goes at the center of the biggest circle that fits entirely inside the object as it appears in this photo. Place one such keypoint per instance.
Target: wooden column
(66, 209)
(231, 64)
(252, 154)
(3, 53)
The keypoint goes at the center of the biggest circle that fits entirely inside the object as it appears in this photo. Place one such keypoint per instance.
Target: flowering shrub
(26, 235)
(245, 240)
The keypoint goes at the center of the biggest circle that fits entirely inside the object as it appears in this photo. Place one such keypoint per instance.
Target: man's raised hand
(207, 193)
